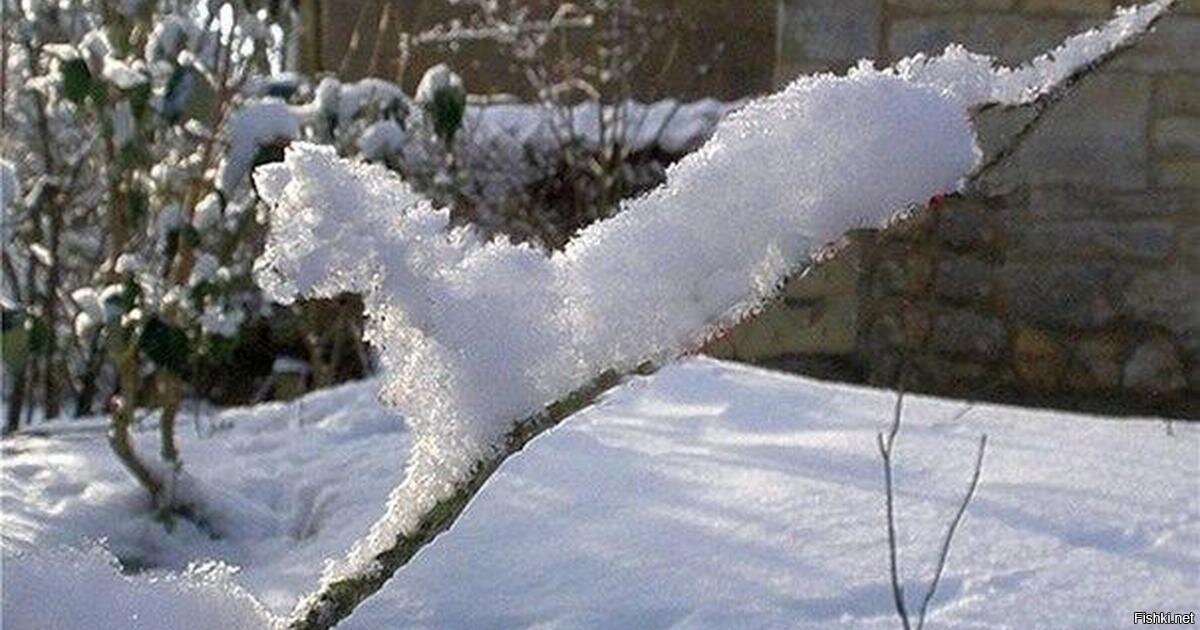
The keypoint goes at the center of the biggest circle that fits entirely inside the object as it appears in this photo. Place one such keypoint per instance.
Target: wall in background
(1075, 280)
(733, 41)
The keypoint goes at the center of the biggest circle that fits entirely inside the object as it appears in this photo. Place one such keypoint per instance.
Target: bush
(134, 230)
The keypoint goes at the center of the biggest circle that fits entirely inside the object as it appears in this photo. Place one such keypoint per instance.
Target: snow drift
(710, 495)
(202, 597)
(474, 335)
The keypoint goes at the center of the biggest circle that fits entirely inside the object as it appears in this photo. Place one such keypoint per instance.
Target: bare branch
(886, 446)
(336, 600)
(950, 531)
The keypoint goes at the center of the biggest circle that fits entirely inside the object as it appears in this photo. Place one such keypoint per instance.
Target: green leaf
(77, 82)
(166, 345)
(139, 99)
(179, 91)
(14, 340)
(119, 300)
(447, 108)
(134, 155)
(219, 349)
(188, 96)
(41, 337)
(190, 235)
(138, 204)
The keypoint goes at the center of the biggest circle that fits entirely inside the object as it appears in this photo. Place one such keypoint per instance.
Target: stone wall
(1074, 280)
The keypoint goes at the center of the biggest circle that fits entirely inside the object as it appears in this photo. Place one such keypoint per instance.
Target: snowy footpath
(710, 495)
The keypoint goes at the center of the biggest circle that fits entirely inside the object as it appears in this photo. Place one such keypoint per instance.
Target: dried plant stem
(887, 444)
(951, 530)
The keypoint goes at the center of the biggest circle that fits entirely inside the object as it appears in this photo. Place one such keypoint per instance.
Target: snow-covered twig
(477, 334)
(1044, 104)
(336, 600)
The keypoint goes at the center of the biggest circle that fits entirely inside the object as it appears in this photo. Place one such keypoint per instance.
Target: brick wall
(1073, 280)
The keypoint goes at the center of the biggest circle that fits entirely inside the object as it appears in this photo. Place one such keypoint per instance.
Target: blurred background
(131, 224)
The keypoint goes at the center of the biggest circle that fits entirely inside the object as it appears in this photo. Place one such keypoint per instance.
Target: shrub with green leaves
(132, 226)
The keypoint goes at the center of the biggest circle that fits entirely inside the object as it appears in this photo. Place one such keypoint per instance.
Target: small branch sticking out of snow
(887, 446)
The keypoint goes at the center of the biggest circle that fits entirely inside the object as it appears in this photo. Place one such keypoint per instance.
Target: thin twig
(886, 446)
(950, 531)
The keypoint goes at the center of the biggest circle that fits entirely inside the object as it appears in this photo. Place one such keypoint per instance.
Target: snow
(201, 599)
(681, 500)
(717, 496)
(381, 139)
(169, 38)
(710, 495)
(343, 102)
(208, 212)
(436, 79)
(10, 191)
(217, 321)
(123, 125)
(669, 125)
(287, 485)
(475, 336)
(251, 127)
(977, 80)
(122, 74)
(502, 148)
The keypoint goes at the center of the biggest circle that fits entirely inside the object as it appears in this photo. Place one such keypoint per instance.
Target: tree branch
(335, 600)
(1046, 102)
(886, 445)
(950, 531)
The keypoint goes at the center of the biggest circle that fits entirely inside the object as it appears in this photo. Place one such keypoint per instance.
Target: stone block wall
(982, 302)
(1073, 278)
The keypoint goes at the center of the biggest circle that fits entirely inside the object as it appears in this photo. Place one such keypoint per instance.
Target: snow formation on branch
(475, 335)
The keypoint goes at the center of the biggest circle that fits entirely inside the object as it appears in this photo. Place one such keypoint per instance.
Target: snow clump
(475, 335)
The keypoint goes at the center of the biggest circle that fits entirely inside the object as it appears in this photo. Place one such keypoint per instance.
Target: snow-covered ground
(710, 495)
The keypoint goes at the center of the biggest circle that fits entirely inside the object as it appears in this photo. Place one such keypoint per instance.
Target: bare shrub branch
(887, 446)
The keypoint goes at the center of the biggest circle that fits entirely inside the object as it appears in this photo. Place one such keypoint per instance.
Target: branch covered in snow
(474, 335)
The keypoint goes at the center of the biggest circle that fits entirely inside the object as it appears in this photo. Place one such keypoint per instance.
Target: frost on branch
(477, 336)
(474, 335)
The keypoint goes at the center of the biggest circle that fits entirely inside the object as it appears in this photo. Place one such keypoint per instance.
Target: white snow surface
(100, 597)
(710, 495)
(435, 79)
(667, 124)
(976, 79)
(270, 478)
(251, 127)
(9, 191)
(475, 336)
